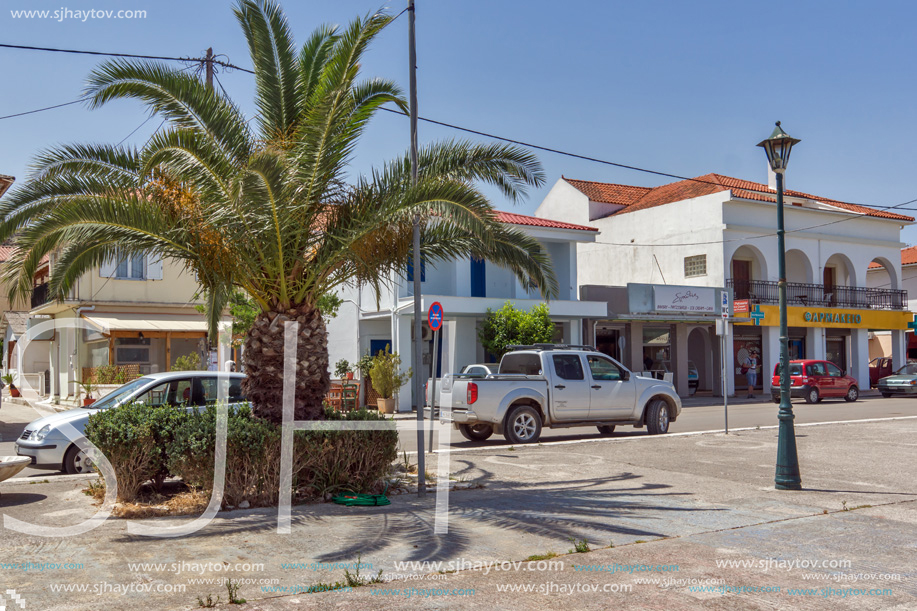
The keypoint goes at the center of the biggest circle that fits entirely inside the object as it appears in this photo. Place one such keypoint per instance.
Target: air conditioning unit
(426, 334)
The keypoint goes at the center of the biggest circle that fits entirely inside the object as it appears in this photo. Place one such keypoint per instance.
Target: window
(816, 370)
(603, 369)
(133, 267)
(695, 266)
(211, 388)
(834, 371)
(568, 367)
(525, 364)
(423, 269)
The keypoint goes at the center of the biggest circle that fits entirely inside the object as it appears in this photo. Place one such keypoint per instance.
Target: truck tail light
(472, 393)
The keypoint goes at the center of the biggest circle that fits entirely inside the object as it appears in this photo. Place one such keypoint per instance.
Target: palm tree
(265, 207)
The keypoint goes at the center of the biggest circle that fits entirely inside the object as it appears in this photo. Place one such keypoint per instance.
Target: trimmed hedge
(145, 443)
(134, 438)
(323, 461)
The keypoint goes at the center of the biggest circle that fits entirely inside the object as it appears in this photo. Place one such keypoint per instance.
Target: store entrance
(836, 351)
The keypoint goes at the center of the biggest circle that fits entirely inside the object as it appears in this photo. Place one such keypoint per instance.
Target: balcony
(40, 295)
(817, 295)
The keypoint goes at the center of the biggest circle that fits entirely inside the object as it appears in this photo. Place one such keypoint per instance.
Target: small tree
(188, 362)
(508, 326)
(386, 373)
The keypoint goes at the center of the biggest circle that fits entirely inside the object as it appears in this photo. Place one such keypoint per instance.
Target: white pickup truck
(556, 386)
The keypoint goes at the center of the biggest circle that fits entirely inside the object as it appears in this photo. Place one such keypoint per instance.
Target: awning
(107, 322)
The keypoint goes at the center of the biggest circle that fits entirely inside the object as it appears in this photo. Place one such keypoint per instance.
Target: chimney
(772, 178)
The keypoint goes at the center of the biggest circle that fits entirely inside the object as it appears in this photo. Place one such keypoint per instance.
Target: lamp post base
(787, 476)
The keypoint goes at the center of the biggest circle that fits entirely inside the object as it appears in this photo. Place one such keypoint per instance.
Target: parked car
(476, 370)
(815, 380)
(903, 382)
(879, 368)
(48, 447)
(557, 387)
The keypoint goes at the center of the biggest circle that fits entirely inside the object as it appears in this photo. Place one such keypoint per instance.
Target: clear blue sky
(681, 87)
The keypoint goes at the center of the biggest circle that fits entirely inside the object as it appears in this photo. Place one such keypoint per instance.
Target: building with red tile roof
(716, 232)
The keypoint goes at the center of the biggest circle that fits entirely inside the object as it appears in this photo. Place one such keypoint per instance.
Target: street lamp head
(778, 148)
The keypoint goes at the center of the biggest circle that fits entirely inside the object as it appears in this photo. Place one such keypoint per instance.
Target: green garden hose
(350, 499)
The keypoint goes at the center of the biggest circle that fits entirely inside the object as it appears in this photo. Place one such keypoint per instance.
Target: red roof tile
(531, 221)
(609, 193)
(6, 252)
(641, 198)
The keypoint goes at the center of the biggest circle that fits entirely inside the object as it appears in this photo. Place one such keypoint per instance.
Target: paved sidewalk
(686, 503)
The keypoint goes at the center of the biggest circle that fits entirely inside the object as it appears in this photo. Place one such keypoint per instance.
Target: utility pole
(208, 64)
(418, 330)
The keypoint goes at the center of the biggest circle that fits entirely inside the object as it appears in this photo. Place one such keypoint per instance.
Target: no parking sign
(435, 316)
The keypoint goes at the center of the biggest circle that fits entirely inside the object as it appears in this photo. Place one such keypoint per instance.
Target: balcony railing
(40, 295)
(817, 295)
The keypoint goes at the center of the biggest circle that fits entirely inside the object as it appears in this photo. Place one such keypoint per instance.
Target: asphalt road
(742, 414)
(706, 417)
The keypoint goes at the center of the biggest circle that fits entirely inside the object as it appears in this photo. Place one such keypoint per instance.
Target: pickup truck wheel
(606, 430)
(523, 425)
(476, 432)
(657, 417)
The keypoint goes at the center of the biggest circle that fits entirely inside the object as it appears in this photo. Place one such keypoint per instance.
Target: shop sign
(842, 317)
(694, 300)
(769, 316)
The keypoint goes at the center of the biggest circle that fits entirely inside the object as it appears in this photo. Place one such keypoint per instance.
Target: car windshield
(112, 398)
(908, 370)
(795, 369)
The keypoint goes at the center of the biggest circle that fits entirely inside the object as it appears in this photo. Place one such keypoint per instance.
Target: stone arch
(799, 267)
(883, 277)
(846, 271)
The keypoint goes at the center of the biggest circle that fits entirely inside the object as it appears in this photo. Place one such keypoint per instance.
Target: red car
(816, 380)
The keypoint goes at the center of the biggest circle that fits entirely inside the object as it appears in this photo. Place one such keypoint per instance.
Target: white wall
(638, 246)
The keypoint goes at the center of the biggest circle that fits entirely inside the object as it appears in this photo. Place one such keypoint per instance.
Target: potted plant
(88, 388)
(387, 378)
(8, 378)
(342, 370)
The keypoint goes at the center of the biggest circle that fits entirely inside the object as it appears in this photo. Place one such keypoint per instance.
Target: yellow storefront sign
(769, 316)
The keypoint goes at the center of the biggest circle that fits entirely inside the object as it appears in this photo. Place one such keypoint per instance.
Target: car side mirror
(625, 375)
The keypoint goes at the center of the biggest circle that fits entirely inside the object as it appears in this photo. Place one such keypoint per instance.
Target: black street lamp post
(778, 148)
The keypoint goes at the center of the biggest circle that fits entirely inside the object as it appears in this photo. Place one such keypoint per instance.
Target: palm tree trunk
(263, 362)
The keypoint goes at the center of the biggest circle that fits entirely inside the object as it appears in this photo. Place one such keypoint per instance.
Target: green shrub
(124, 435)
(188, 362)
(252, 455)
(386, 373)
(336, 461)
(323, 461)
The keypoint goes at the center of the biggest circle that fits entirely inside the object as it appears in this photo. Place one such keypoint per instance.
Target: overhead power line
(129, 55)
(231, 66)
(30, 112)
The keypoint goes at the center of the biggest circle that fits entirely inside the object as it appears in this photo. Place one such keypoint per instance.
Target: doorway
(741, 278)
(836, 351)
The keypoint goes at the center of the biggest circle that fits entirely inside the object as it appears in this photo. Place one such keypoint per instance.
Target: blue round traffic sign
(435, 316)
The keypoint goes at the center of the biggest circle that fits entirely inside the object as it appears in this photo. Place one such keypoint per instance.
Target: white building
(880, 344)
(466, 289)
(716, 231)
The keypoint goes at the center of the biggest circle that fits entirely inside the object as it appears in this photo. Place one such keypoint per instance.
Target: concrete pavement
(683, 503)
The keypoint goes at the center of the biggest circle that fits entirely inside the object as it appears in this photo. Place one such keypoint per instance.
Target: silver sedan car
(45, 442)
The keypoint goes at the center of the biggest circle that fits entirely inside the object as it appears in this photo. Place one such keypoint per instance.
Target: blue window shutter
(423, 269)
(478, 278)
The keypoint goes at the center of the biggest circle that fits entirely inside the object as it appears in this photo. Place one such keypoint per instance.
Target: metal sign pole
(436, 340)
(725, 382)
